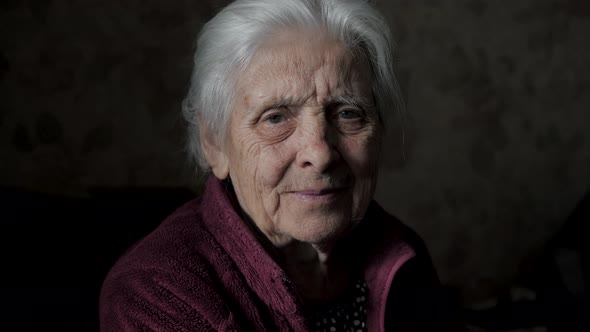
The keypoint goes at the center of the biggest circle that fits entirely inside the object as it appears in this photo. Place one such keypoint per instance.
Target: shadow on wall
(551, 293)
(56, 250)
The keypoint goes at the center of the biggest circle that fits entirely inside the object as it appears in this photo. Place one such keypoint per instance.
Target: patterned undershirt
(347, 315)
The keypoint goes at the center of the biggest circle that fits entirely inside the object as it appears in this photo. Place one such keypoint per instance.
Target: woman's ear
(214, 154)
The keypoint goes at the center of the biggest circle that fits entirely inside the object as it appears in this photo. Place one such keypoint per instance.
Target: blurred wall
(497, 150)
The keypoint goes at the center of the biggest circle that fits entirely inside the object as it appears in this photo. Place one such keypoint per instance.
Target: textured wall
(497, 150)
(500, 151)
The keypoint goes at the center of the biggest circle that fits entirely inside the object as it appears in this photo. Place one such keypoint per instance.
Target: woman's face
(303, 140)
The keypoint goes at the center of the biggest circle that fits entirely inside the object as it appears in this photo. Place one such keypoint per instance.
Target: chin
(324, 230)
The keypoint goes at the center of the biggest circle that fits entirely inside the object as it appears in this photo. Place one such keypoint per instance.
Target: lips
(320, 196)
(320, 192)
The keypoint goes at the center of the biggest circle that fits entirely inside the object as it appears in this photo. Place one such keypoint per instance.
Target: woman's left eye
(349, 114)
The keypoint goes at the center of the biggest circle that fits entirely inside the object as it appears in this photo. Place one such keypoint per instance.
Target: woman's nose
(318, 147)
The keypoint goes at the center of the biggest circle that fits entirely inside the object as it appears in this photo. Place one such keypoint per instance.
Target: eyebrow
(346, 99)
(356, 101)
(280, 103)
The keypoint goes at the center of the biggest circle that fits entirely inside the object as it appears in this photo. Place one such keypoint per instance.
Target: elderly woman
(287, 110)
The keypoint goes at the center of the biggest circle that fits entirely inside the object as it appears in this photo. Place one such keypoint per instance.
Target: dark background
(497, 155)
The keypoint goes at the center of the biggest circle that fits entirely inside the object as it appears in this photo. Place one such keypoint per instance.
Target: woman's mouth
(319, 195)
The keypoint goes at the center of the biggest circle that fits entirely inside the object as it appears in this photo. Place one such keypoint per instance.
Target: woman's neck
(320, 275)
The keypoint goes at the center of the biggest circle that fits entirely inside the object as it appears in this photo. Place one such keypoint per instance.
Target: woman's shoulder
(170, 270)
(181, 242)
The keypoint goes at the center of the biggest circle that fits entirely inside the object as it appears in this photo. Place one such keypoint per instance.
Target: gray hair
(227, 43)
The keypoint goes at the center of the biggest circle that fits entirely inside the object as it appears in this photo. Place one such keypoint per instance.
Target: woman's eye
(276, 118)
(349, 114)
(275, 115)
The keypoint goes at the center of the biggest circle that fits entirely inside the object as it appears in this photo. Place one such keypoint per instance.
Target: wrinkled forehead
(299, 56)
(302, 51)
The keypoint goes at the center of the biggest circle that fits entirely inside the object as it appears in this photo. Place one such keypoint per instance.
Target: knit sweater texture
(206, 269)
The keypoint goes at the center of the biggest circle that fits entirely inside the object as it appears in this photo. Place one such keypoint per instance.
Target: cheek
(362, 158)
(273, 162)
(257, 168)
(362, 155)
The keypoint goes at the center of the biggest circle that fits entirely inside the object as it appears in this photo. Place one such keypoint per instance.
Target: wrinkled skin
(303, 140)
(302, 144)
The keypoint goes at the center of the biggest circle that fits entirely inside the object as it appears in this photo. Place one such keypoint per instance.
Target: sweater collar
(254, 261)
(378, 241)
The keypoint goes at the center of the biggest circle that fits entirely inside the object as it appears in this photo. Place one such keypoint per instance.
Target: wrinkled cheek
(242, 174)
(366, 177)
(364, 159)
(267, 178)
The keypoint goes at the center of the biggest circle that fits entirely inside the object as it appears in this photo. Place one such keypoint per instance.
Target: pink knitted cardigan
(205, 269)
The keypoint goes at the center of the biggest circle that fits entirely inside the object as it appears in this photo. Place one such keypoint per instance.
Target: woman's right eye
(276, 124)
(276, 118)
(276, 115)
